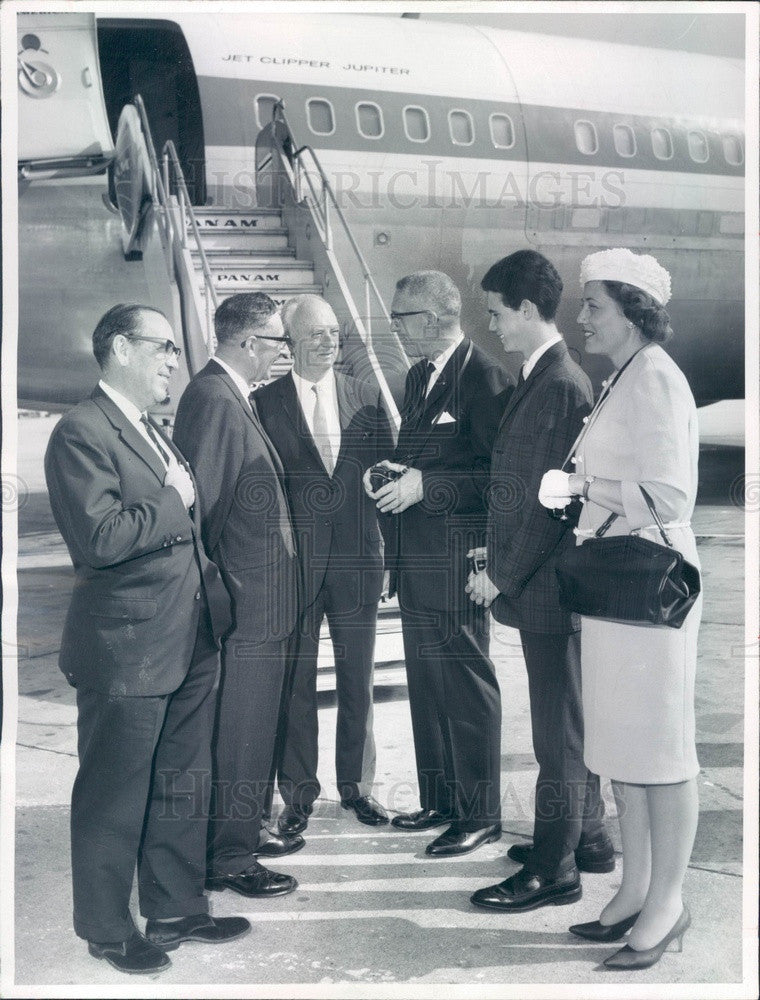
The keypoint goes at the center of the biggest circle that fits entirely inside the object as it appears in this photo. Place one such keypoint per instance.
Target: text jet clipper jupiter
(178, 160)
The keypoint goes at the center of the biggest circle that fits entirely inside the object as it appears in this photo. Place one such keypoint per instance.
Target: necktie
(161, 448)
(429, 369)
(521, 378)
(321, 433)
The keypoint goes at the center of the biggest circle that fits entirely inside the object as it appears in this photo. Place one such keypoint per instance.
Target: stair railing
(162, 182)
(299, 165)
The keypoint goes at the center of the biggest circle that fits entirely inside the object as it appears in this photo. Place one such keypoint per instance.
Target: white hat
(638, 269)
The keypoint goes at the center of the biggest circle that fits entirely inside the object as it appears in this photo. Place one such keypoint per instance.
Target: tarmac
(373, 916)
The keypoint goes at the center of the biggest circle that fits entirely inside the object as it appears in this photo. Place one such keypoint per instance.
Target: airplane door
(63, 125)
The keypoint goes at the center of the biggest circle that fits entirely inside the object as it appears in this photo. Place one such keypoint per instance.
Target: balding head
(314, 332)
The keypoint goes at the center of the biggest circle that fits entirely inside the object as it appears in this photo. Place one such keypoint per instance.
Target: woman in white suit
(638, 681)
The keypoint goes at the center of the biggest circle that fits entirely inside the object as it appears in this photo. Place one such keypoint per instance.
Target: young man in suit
(538, 428)
(327, 428)
(140, 645)
(435, 513)
(246, 525)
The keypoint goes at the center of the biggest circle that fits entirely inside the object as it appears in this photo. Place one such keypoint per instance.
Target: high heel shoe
(594, 931)
(629, 958)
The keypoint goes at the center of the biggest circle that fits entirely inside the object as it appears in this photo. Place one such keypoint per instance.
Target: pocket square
(446, 418)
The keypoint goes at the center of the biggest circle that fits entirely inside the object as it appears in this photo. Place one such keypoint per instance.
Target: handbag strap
(602, 529)
(597, 406)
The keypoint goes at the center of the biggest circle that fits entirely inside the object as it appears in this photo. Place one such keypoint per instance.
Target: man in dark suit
(454, 399)
(246, 525)
(140, 645)
(539, 425)
(327, 428)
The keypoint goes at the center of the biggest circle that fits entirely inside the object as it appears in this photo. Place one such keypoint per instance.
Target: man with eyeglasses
(327, 427)
(435, 513)
(141, 647)
(246, 525)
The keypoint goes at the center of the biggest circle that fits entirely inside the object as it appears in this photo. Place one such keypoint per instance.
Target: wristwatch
(588, 480)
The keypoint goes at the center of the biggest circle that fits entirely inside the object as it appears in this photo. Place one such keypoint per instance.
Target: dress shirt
(329, 398)
(441, 361)
(133, 415)
(240, 382)
(530, 364)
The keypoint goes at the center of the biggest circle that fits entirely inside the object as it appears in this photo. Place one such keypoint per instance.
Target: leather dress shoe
(526, 891)
(367, 810)
(455, 841)
(423, 819)
(278, 844)
(136, 955)
(629, 958)
(294, 819)
(254, 881)
(593, 856)
(169, 934)
(594, 931)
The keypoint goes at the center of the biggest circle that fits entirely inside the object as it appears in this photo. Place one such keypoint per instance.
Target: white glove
(554, 491)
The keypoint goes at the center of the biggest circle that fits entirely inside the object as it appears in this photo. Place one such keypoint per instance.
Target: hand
(554, 491)
(366, 482)
(396, 496)
(386, 585)
(178, 477)
(481, 589)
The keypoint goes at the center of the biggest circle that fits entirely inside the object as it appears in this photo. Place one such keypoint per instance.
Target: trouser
(245, 731)
(568, 799)
(141, 795)
(352, 631)
(456, 713)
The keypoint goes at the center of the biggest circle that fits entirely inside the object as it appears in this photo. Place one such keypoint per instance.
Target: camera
(379, 475)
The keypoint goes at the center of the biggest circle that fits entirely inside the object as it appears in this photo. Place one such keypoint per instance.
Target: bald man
(327, 428)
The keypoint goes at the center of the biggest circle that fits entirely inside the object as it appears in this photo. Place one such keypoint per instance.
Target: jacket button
(585, 420)
(198, 596)
(574, 460)
(178, 538)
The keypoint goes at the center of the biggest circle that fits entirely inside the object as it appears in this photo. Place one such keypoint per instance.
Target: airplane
(337, 152)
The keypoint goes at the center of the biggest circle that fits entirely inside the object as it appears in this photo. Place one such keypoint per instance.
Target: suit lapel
(295, 416)
(547, 359)
(249, 409)
(129, 434)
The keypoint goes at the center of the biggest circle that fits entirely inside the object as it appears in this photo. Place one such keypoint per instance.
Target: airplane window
(585, 137)
(502, 131)
(320, 116)
(369, 120)
(461, 128)
(662, 144)
(625, 140)
(732, 150)
(416, 124)
(699, 151)
(264, 106)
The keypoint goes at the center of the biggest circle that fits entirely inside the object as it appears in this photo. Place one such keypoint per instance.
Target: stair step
(232, 240)
(262, 276)
(265, 246)
(279, 293)
(234, 222)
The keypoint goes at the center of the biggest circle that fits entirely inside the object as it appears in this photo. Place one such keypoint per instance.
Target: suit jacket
(430, 539)
(137, 554)
(335, 520)
(246, 522)
(538, 428)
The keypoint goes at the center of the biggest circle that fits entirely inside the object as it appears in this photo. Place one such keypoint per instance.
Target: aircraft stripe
(540, 132)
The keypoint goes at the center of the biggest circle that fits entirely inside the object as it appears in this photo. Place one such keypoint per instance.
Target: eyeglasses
(261, 336)
(168, 345)
(417, 312)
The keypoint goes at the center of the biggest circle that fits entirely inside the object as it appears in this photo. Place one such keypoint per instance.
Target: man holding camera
(436, 512)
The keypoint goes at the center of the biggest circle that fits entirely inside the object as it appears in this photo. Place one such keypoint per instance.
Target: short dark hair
(526, 274)
(240, 312)
(120, 319)
(642, 310)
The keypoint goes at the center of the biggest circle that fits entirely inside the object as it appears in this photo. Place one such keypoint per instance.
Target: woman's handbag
(628, 578)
